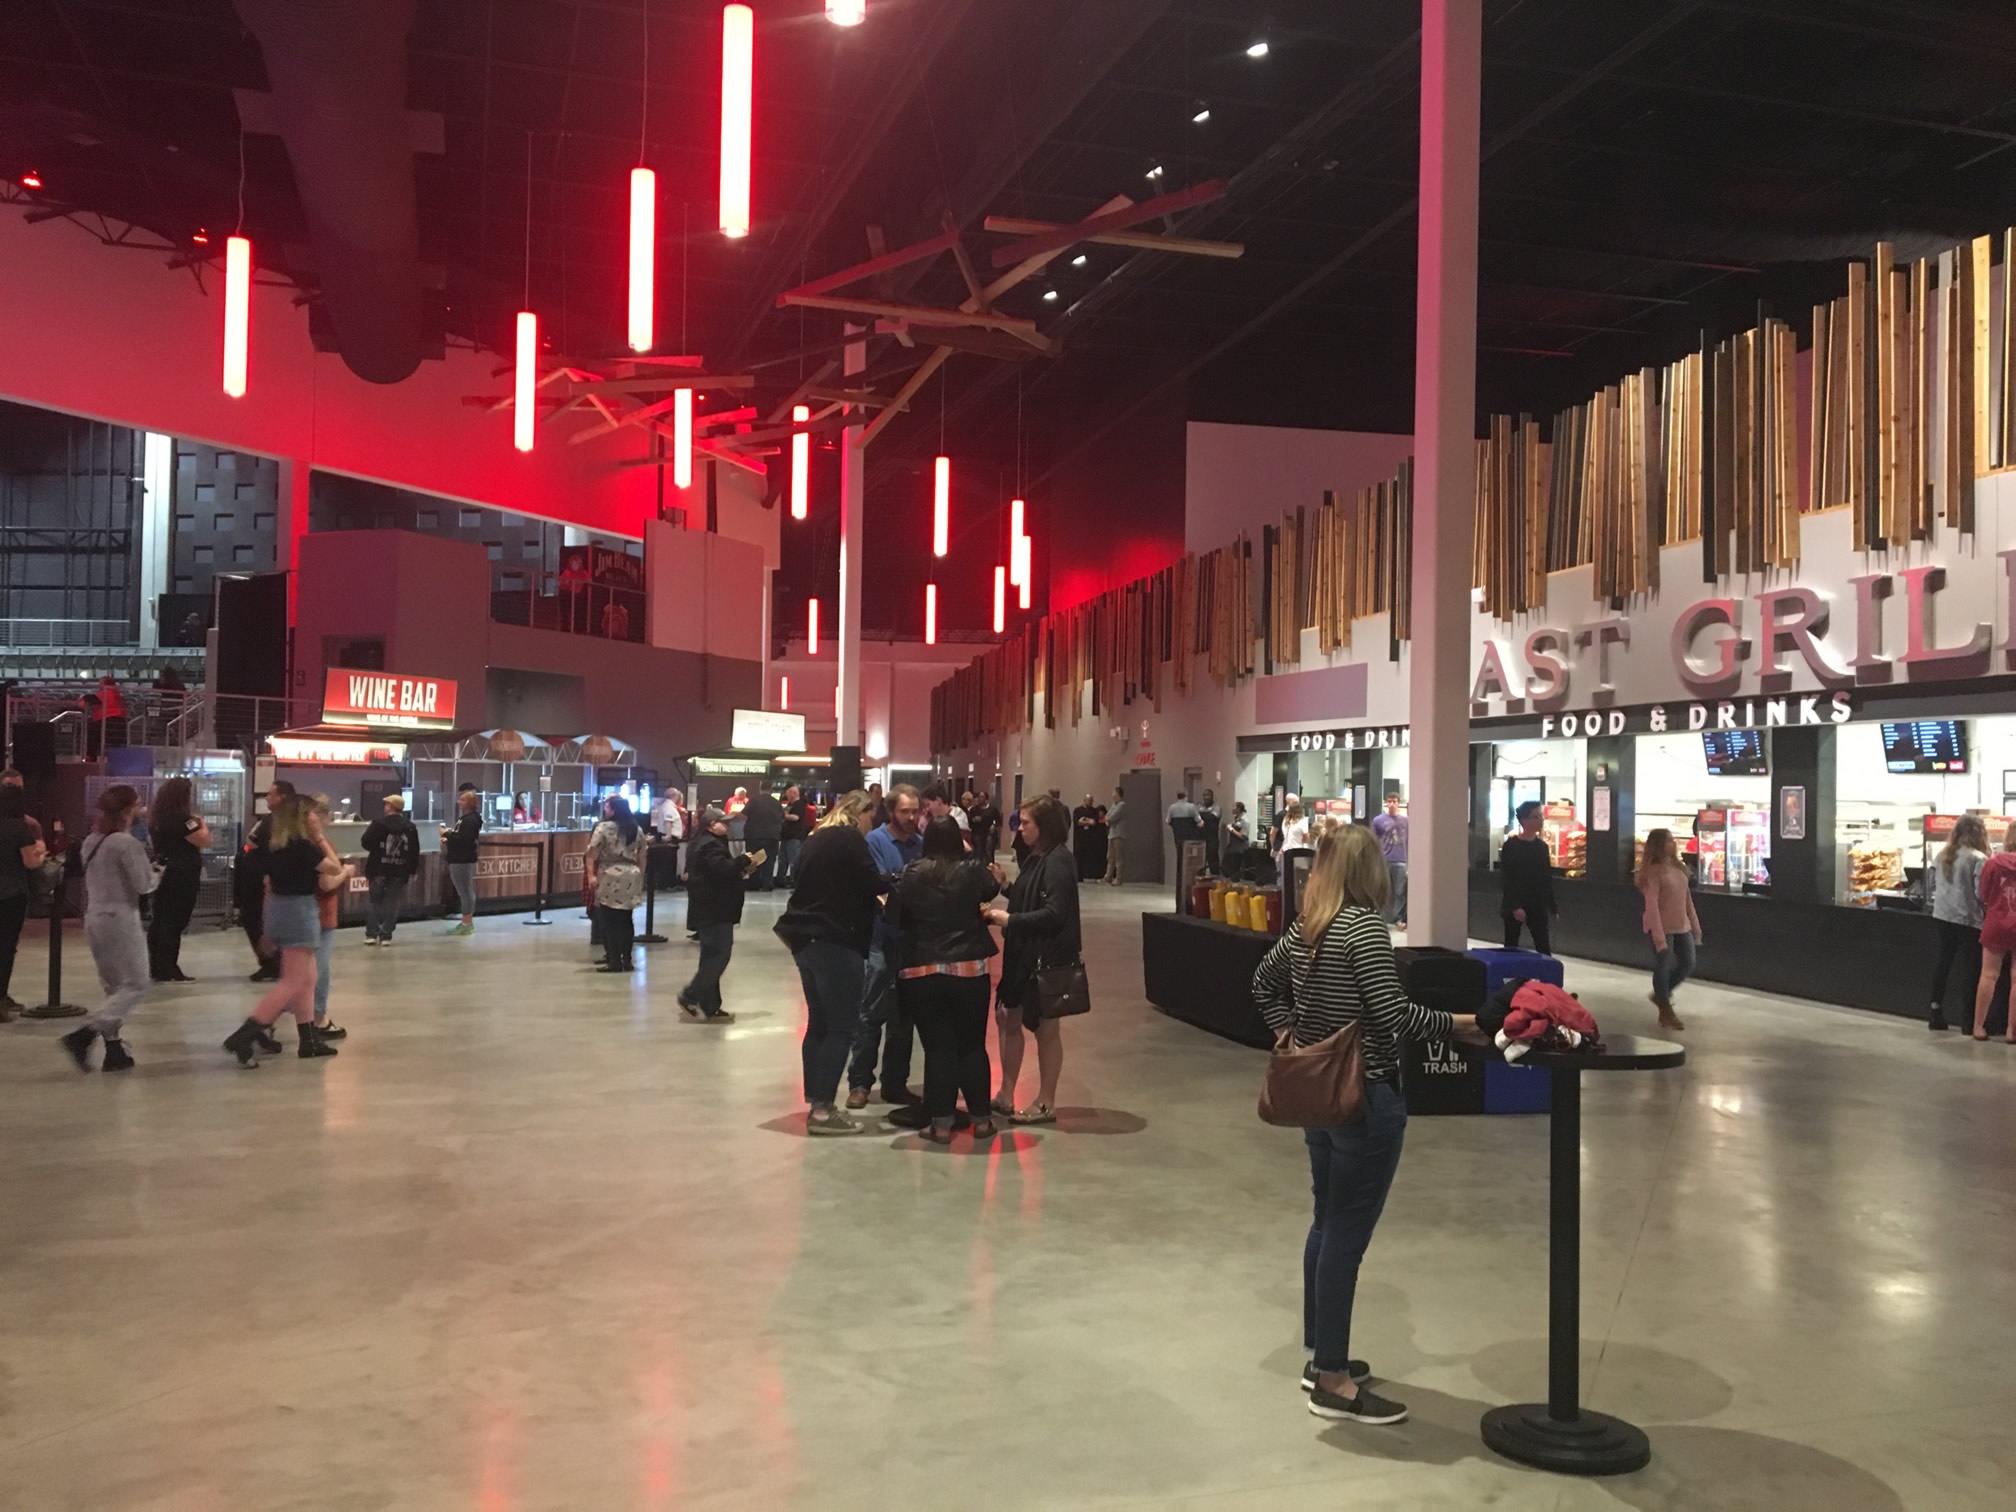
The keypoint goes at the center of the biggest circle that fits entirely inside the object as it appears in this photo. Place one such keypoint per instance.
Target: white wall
(1240, 477)
(896, 682)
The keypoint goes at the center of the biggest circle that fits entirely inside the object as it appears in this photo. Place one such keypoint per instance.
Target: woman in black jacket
(714, 893)
(828, 925)
(179, 837)
(936, 912)
(1039, 929)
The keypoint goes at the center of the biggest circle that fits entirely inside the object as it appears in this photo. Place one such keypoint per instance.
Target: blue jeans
(381, 913)
(883, 1021)
(322, 946)
(717, 944)
(1351, 1169)
(787, 860)
(1673, 965)
(832, 977)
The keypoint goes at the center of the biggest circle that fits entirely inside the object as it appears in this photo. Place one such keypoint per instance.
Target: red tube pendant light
(784, 694)
(524, 411)
(682, 438)
(1022, 550)
(738, 97)
(643, 255)
(801, 461)
(930, 614)
(811, 627)
(1000, 599)
(941, 506)
(1015, 556)
(237, 313)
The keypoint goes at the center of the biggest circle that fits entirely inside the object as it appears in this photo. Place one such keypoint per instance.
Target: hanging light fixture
(941, 506)
(643, 254)
(812, 627)
(237, 313)
(524, 412)
(930, 614)
(801, 460)
(846, 12)
(1000, 599)
(1016, 559)
(738, 97)
(1022, 550)
(784, 694)
(682, 438)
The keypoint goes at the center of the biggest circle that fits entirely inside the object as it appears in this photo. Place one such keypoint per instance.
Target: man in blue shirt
(1390, 830)
(894, 845)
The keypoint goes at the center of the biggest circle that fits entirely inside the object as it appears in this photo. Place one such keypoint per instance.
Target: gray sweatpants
(119, 950)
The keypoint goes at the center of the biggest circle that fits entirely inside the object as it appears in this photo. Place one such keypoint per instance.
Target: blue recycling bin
(1515, 1088)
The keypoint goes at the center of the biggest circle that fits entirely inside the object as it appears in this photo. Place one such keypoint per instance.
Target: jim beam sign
(1716, 645)
(386, 698)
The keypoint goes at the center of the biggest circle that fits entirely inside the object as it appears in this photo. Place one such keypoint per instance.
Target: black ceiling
(1652, 166)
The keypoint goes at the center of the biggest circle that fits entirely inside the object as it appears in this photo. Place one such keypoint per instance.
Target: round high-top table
(1560, 1434)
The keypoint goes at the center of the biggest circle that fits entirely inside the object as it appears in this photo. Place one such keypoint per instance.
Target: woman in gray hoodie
(117, 875)
(1956, 912)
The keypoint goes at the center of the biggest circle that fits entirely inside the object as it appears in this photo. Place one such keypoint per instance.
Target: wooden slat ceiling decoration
(1913, 396)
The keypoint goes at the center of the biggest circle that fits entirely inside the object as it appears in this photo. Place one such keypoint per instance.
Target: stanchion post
(650, 935)
(59, 904)
(545, 853)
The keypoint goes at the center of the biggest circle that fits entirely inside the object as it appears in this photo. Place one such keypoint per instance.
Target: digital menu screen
(1925, 745)
(1734, 753)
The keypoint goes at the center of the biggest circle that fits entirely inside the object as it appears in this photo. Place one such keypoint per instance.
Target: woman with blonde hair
(294, 859)
(331, 874)
(1669, 919)
(1333, 968)
(828, 926)
(1956, 911)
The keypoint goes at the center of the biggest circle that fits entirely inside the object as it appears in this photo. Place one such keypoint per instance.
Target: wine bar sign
(385, 698)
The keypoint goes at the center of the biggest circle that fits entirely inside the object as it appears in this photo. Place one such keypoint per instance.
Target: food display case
(1567, 838)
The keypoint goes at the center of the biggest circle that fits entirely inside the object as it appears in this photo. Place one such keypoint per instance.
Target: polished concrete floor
(533, 1242)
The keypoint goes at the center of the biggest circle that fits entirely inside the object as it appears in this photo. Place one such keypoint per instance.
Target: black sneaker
(1366, 1407)
(332, 1031)
(831, 1122)
(78, 1043)
(901, 1097)
(1937, 1023)
(1358, 1370)
(116, 1058)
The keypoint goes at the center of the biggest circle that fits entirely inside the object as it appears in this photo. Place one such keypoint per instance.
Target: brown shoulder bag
(1319, 1086)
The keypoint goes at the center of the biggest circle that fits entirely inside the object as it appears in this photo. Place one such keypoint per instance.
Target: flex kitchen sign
(1781, 656)
(384, 698)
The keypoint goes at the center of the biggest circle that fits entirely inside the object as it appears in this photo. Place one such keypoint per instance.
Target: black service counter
(1202, 973)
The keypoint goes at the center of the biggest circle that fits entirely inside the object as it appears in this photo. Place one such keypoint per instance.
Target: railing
(45, 633)
(590, 609)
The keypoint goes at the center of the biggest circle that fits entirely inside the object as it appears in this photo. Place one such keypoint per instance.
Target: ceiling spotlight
(1258, 49)
(1155, 172)
(846, 12)
(1049, 296)
(1078, 261)
(1203, 113)
(201, 238)
(31, 180)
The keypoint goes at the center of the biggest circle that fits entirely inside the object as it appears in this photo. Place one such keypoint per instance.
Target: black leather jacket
(934, 910)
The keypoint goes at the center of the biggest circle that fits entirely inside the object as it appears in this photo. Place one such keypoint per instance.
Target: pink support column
(1445, 429)
(853, 502)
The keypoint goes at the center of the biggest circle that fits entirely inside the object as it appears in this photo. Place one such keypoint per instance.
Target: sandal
(1037, 1113)
(985, 1129)
(936, 1135)
(1003, 1106)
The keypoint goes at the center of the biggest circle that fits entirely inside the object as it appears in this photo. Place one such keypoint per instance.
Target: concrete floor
(533, 1242)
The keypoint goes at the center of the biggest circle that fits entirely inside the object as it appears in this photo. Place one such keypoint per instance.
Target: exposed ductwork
(338, 75)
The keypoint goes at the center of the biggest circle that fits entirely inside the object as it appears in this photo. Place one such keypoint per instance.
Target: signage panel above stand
(350, 697)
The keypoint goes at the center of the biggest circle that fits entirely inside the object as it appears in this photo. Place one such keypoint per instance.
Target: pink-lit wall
(117, 335)
(1114, 512)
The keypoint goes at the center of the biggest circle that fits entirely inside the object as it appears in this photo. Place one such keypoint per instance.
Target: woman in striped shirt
(1335, 967)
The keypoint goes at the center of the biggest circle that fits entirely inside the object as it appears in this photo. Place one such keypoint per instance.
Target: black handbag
(1063, 991)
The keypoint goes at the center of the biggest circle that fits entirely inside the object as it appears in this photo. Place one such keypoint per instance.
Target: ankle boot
(267, 1041)
(116, 1058)
(243, 1039)
(312, 1043)
(77, 1044)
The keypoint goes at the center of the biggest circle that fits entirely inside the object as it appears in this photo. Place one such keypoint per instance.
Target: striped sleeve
(1384, 1004)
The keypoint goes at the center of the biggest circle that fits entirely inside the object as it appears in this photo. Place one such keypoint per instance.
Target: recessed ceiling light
(33, 180)
(1258, 49)
(1155, 172)
(1078, 261)
(1203, 114)
(201, 238)
(1049, 296)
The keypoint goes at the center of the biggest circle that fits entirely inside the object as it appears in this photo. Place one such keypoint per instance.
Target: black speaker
(845, 770)
(35, 750)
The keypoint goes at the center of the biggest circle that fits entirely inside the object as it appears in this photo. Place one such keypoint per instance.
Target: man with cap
(714, 892)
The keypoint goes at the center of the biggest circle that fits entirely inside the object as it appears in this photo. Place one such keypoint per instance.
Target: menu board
(1925, 745)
